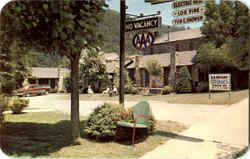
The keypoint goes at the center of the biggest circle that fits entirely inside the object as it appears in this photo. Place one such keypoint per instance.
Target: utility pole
(122, 49)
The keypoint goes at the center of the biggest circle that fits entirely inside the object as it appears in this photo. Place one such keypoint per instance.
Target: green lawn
(47, 134)
(188, 98)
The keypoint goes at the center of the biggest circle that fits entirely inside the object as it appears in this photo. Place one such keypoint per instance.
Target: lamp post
(122, 49)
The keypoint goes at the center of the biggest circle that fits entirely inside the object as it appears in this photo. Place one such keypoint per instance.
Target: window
(177, 47)
(43, 81)
(191, 46)
(151, 50)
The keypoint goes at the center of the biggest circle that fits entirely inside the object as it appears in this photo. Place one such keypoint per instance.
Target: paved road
(185, 113)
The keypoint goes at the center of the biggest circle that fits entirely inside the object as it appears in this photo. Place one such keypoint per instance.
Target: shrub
(18, 105)
(101, 124)
(130, 89)
(3, 106)
(153, 67)
(53, 90)
(67, 84)
(167, 90)
(183, 82)
(128, 84)
(202, 86)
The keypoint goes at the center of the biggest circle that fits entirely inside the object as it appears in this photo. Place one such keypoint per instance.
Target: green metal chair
(141, 114)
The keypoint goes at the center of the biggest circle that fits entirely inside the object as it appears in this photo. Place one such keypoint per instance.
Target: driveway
(186, 113)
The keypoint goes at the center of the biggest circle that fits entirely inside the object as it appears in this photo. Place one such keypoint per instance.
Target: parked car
(32, 89)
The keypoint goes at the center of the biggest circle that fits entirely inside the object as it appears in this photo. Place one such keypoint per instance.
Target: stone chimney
(137, 76)
(172, 73)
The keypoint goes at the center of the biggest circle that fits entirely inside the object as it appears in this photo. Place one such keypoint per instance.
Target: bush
(67, 83)
(128, 84)
(153, 67)
(101, 124)
(202, 87)
(130, 89)
(17, 105)
(3, 106)
(184, 81)
(53, 90)
(167, 90)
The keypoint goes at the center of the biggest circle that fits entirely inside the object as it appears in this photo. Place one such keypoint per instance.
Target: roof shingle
(179, 36)
(47, 72)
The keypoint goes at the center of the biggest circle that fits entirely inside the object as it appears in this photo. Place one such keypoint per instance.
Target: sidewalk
(220, 137)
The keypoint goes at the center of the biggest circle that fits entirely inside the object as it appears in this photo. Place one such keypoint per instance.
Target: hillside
(110, 30)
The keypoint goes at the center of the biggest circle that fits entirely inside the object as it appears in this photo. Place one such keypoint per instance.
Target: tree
(128, 83)
(59, 27)
(214, 58)
(226, 26)
(153, 67)
(184, 81)
(93, 70)
(13, 66)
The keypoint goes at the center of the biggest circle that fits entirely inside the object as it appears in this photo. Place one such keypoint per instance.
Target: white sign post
(220, 82)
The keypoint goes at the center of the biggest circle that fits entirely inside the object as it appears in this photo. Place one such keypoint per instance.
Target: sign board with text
(220, 82)
(188, 11)
(143, 24)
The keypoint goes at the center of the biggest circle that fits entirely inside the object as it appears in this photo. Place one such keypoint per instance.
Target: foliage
(59, 27)
(202, 86)
(109, 28)
(130, 89)
(17, 105)
(67, 83)
(53, 90)
(128, 84)
(227, 27)
(3, 106)
(153, 67)
(13, 66)
(101, 124)
(211, 57)
(40, 59)
(93, 71)
(167, 90)
(183, 81)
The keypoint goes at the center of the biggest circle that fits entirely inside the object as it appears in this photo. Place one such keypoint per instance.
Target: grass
(187, 98)
(47, 134)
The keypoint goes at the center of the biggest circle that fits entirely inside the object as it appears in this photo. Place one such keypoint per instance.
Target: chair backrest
(142, 108)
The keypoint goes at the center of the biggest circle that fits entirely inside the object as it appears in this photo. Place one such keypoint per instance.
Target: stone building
(172, 51)
(52, 77)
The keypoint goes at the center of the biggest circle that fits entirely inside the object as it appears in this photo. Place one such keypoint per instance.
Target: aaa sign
(143, 40)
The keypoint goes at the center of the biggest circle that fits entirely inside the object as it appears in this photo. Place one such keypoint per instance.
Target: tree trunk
(75, 122)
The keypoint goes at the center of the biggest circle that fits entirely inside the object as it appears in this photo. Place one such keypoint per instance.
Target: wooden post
(122, 49)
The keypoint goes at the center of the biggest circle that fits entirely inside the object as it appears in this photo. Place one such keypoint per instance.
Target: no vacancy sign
(220, 82)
